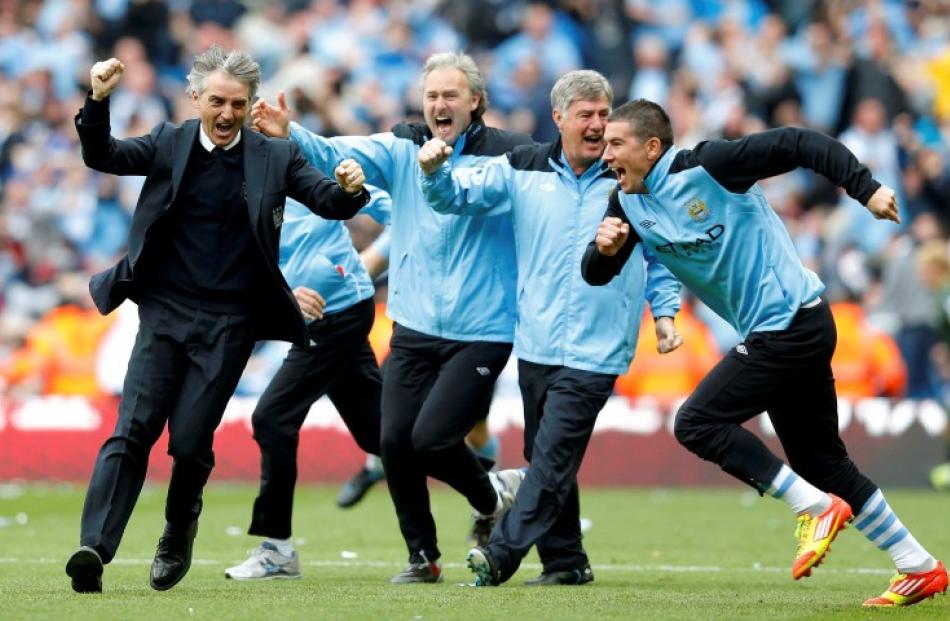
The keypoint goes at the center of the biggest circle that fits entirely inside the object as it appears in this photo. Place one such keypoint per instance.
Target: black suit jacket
(273, 170)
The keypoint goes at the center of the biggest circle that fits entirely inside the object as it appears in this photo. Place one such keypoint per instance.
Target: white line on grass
(676, 569)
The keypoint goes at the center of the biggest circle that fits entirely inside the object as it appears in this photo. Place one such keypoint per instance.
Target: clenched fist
(667, 337)
(104, 77)
(350, 176)
(611, 236)
(433, 154)
(883, 204)
(311, 303)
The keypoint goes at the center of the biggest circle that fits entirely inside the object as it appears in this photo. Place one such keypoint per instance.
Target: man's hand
(883, 204)
(667, 338)
(311, 303)
(433, 154)
(271, 120)
(611, 236)
(350, 176)
(104, 77)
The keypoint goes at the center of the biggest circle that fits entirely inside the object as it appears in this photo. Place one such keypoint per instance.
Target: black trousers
(786, 373)
(560, 408)
(434, 391)
(340, 364)
(184, 367)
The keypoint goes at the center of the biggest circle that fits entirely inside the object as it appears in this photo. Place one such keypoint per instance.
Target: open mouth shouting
(443, 126)
(621, 173)
(223, 131)
(594, 140)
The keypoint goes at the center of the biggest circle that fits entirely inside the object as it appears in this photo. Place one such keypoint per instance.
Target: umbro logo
(647, 223)
(483, 371)
(742, 350)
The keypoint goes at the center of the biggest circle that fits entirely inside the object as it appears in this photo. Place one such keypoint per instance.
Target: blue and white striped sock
(801, 496)
(878, 522)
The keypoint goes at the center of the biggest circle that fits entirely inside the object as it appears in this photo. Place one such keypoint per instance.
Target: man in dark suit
(202, 266)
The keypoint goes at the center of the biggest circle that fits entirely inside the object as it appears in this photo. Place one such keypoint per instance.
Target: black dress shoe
(567, 576)
(85, 569)
(172, 558)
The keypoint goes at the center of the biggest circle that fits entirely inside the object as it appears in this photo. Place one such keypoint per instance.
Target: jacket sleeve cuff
(868, 191)
(93, 111)
(361, 198)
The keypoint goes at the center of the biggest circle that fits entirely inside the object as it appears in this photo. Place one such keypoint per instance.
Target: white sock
(801, 496)
(284, 546)
(373, 463)
(878, 522)
(499, 503)
(498, 485)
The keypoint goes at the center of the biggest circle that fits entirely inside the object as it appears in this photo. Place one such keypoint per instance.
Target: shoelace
(258, 556)
(801, 531)
(164, 545)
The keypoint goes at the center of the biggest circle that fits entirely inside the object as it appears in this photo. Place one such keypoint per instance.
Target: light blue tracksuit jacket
(708, 221)
(449, 277)
(319, 254)
(562, 321)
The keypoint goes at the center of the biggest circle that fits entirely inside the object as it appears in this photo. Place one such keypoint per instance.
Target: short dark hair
(647, 120)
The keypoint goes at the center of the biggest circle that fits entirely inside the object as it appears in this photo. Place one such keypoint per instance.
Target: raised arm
(380, 155)
(738, 164)
(615, 240)
(338, 200)
(100, 151)
(477, 191)
(375, 154)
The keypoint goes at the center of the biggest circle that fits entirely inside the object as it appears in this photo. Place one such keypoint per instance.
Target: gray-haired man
(572, 340)
(451, 296)
(202, 266)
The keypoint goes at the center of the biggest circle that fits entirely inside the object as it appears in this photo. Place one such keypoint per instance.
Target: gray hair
(465, 64)
(585, 85)
(236, 63)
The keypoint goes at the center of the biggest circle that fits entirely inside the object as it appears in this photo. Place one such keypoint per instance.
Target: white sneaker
(506, 484)
(266, 563)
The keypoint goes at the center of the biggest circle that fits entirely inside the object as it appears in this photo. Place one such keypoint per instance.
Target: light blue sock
(878, 522)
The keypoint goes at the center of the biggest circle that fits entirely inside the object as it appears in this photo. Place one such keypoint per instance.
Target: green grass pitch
(657, 554)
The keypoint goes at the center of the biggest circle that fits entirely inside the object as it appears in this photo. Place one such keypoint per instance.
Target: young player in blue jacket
(702, 213)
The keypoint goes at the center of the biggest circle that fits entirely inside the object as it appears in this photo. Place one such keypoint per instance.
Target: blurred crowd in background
(873, 73)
